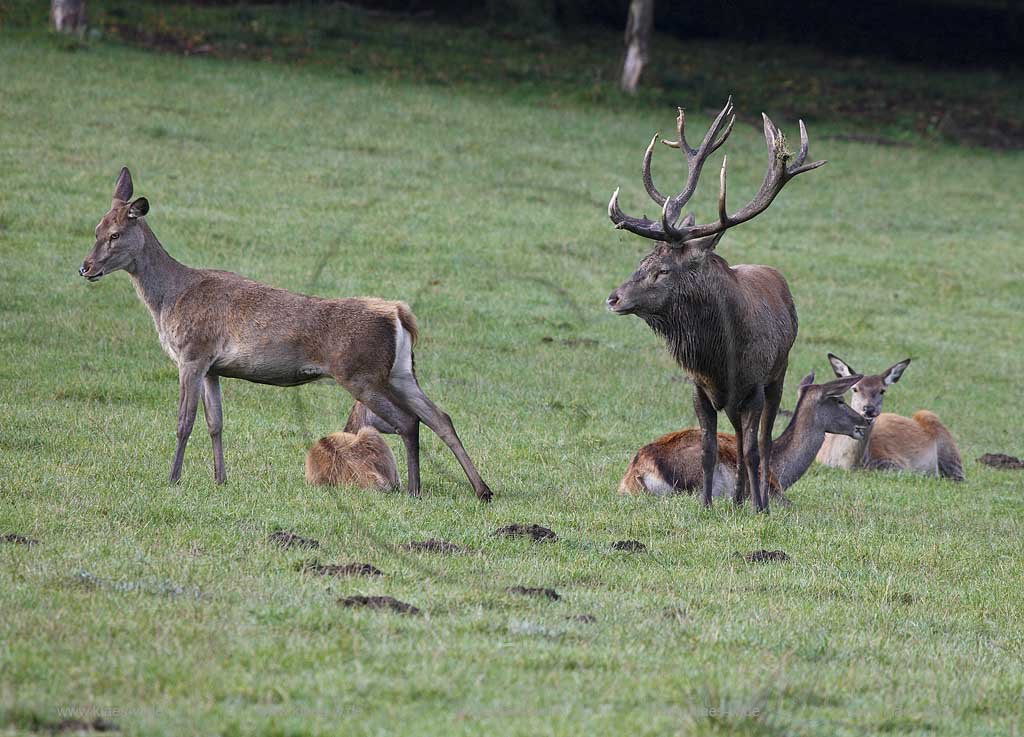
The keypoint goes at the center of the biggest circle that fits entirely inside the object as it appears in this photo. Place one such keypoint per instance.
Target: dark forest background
(946, 32)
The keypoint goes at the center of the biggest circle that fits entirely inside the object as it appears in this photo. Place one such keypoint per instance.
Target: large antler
(780, 171)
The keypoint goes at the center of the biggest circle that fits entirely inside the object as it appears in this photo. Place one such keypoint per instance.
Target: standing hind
(217, 324)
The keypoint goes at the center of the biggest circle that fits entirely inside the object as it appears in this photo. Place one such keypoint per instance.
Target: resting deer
(217, 324)
(673, 462)
(921, 444)
(730, 328)
(358, 456)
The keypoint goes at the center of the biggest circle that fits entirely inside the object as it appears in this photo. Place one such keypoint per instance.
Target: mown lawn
(165, 610)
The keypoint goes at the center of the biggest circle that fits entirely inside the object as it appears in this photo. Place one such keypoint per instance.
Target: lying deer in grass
(730, 328)
(673, 462)
(921, 444)
(357, 456)
(215, 323)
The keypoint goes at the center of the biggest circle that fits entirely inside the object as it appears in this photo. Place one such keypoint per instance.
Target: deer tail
(951, 466)
(408, 321)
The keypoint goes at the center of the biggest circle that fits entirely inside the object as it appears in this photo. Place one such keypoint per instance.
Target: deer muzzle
(89, 271)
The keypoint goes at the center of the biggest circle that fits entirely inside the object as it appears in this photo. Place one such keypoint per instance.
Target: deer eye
(662, 272)
(856, 390)
(114, 236)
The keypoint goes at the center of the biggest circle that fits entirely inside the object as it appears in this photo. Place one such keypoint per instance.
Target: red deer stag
(217, 324)
(730, 328)
(921, 444)
(358, 456)
(673, 462)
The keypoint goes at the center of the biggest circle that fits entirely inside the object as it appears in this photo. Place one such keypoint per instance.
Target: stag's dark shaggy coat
(731, 328)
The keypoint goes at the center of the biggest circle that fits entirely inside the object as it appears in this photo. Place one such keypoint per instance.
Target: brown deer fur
(920, 444)
(360, 459)
(730, 328)
(673, 462)
(217, 324)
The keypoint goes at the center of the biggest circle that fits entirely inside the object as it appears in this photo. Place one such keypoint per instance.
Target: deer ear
(893, 373)
(839, 387)
(807, 380)
(707, 243)
(138, 208)
(839, 366)
(123, 188)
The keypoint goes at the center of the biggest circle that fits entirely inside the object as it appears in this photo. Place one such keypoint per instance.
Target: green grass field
(165, 610)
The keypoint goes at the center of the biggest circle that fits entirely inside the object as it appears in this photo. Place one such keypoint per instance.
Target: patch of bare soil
(340, 569)
(534, 591)
(570, 342)
(763, 556)
(380, 602)
(902, 598)
(15, 539)
(433, 546)
(1001, 460)
(629, 546)
(582, 618)
(534, 532)
(77, 725)
(286, 539)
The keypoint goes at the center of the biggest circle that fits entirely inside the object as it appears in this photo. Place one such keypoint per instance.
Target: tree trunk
(638, 40)
(68, 16)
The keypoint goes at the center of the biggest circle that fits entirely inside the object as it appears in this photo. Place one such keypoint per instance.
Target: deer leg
(740, 493)
(772, 399)
(385, 414)
(751, 413)
(214, 423)
(707, 418)
(409, 396)
(190, 382)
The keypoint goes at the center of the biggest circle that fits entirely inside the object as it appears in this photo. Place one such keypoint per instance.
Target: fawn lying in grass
(358, 456)
(921, 444)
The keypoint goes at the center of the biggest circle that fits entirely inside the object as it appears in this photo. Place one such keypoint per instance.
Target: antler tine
(798, 166)
(716, 127)
(681, 130)
(648, 181)
(728, 130)
(723, 216)
(639, 226)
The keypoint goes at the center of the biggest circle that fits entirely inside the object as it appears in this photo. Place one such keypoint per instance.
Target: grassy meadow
(164, 609)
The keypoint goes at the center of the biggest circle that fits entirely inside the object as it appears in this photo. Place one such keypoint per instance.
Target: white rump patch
(401, 369)
(655, 484)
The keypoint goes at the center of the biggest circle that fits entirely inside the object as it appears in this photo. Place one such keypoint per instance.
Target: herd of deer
(730, 328)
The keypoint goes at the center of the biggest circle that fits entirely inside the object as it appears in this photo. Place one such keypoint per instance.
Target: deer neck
(159, 279)
(841, 451)
(699, 326)
(795, 449)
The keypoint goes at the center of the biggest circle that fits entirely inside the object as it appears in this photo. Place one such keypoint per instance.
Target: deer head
(831, 413)
(869, 391)
(120, 236)
(684, 247)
